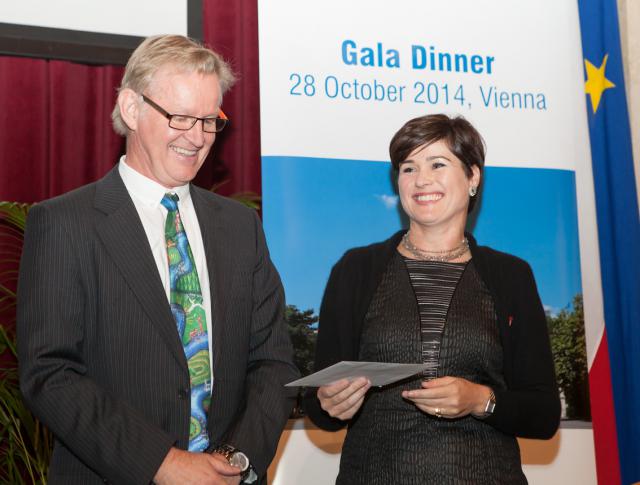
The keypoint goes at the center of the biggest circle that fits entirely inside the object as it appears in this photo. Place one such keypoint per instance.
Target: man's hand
(184, 468)
(230, 480)
(342, 399)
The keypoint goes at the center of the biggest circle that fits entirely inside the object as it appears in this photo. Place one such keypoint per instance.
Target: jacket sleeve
(335, 337)
(267, 404)
(108, 435)
(530, 406)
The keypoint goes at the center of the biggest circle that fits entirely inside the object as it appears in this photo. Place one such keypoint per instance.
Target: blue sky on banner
(318, 208)
(617, 214)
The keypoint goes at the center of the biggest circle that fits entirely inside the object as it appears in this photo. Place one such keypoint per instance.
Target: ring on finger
(437, 412)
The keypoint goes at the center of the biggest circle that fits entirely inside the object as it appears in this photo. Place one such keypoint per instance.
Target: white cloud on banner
(389, 201)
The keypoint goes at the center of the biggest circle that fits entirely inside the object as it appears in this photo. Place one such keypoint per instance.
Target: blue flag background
(618, 221)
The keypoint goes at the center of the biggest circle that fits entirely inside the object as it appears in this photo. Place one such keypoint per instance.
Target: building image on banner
(343, 78)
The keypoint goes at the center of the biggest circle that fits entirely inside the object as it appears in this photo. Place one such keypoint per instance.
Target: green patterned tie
(188, 310)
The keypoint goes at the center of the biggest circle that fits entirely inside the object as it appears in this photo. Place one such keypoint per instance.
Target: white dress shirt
(146, 195)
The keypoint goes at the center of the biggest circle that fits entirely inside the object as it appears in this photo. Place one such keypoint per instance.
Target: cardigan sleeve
(530, 406)
(335, 337)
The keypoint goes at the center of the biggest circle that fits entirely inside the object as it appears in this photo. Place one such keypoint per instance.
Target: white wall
(629, 13)
(124, 17)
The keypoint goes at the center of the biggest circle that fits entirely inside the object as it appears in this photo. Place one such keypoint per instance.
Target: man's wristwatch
(235, 458)
(489, 407)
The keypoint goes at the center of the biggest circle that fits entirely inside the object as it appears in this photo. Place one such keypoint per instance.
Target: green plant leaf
(250, 199)
(8, 342)
(15, 213)
(25, 444)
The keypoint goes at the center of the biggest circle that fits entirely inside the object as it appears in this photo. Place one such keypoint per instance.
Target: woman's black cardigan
(529, 407)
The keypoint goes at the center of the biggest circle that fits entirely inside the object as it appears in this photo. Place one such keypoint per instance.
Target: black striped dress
(442, 314)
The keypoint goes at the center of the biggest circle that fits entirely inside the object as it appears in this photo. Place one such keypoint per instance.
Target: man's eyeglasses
(186, 122)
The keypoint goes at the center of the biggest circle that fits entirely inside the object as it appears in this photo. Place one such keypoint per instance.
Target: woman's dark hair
(459, 135)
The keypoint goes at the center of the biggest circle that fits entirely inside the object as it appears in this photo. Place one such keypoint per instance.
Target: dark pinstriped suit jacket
(101, 363)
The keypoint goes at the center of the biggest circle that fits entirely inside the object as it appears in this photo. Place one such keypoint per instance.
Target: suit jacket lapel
(208, 211)
(126, 243)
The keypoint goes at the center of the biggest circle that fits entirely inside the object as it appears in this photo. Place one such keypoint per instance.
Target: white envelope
(379, 373)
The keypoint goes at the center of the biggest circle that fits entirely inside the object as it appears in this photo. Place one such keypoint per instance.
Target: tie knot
(170, 202)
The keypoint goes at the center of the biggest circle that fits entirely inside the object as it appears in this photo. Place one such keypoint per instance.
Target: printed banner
(338, 79)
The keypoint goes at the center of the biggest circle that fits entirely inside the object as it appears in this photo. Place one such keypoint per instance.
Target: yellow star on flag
(596, 82)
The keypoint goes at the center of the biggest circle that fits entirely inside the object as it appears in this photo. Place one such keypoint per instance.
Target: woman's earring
(473, 190)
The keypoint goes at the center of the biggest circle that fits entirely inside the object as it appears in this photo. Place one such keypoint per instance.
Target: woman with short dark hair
(432, 295)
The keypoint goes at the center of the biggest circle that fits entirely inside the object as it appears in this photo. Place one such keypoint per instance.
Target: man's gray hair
(161, 50)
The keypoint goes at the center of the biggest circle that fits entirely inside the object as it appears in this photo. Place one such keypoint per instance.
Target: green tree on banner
(566, 331)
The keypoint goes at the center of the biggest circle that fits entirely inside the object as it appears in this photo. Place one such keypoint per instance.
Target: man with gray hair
(151, 331)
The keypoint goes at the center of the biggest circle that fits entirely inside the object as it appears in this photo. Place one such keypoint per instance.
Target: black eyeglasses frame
(220, 121)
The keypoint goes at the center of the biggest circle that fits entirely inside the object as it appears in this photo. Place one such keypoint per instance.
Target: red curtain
(55, 124)
(55, 128)
(231, 28)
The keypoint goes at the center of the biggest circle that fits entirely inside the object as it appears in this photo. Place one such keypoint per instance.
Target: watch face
(239, 460)
(490, 407)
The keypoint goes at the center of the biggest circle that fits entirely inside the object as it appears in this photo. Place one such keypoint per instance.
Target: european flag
(619, 241)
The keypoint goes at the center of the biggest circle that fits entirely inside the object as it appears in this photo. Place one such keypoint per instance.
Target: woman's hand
(342, 399)
(449, 397)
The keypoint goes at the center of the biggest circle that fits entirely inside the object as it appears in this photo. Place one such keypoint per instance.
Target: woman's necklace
(439, 256)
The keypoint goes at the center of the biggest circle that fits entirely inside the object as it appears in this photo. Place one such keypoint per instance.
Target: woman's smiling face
(434, 187)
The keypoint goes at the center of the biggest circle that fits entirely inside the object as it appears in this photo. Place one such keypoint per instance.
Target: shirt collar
(148, 191)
